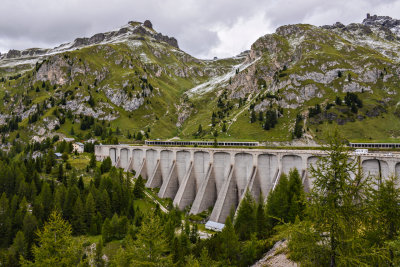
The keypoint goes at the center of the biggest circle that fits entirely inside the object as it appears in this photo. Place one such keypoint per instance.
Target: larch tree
(55, 247)
(151, 246)
(336, 207)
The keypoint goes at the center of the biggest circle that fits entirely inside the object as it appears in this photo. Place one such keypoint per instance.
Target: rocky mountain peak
(384, 21)
(133, 30)
(148, 24)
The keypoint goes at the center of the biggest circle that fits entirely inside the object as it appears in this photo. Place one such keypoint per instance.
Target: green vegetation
(349, 219)
(346, 219)
(97, 210)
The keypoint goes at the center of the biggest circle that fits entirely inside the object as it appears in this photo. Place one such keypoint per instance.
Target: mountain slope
(132, 81)
(301, 80)
(300, 66)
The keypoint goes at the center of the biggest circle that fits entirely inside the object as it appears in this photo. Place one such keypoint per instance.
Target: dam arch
(137, 158)
(124, 158)
(201, 164)
(375, 168)
(151, 161)
(222, 165)
(243, 168)
(291, 161)
(113, 155)
(267, 171)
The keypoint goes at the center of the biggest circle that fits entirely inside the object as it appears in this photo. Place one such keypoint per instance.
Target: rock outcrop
(13, 53)
(148, 24)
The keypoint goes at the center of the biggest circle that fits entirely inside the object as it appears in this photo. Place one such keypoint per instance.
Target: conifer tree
(59, 197)
(199, 130)
(56, 247)
(194, 235)
(384, 220)
(106, 165)
(90, 213)
(50, 160)
(296, 196)
(224, 127)
(32, 190)
(278, 202)
(60, 176)
(46, 198)
(78, 218)
(261, 221)
(19, 246)
(138, 189)
(336, 205)
(139, 136)
(106, 231)
(104, 205)
(70, 200)
(260, 116)
(97, 178)
(29, 226)
(230, 243)
(253, 116)
(81, 185)
(245, 223)
(92, 163)
(249, 251)
(150, 247)
(5, 221)
(205, 259)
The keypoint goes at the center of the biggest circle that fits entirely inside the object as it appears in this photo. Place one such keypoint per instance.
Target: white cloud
(240, 36)
(203, 28)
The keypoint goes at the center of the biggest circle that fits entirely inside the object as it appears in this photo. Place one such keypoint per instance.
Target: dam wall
(218, 178)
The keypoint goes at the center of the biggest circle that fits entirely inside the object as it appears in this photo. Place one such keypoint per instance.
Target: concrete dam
(218, 177)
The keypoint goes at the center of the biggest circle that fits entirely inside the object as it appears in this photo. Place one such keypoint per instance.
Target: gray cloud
(203, 28)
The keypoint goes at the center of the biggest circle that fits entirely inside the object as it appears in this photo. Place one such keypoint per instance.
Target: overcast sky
(204, 28)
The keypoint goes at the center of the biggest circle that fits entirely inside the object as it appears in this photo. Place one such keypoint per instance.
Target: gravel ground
(276, 257)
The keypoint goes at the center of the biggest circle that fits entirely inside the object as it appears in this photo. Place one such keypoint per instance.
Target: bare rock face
(13, 53)
(148, 24)
(122, 31)
(80, 42)
(359, 27)
(53, 70)
(140, 30)
(169, 40)
(184, 110)
(323, 78)
(33, 52)
(97, 38)
(120, 98)
(351, 87)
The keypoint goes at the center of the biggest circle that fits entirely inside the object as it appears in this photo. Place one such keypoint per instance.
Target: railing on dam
(200, 143)
(375, 145)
